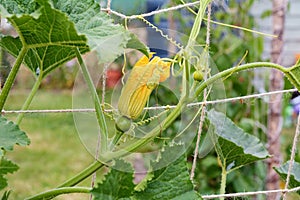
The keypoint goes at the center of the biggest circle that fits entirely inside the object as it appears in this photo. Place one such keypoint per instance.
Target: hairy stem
(230, 71)
(197, 24)
(223, 182)
(99, 111)
(57, 191)
(116, 139)
(30, 97)
(124, 150)
(135, 144)
(127, 148)
(11, 77)
(96, 165)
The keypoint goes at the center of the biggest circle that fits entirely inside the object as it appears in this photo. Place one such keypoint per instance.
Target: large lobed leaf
(171, 182)
(6, 166)
(47, 33)
(107, 38)
(235, 147)
(10, 135)
(51, 33)
(18, 7)
(117, 184)
(294, 174)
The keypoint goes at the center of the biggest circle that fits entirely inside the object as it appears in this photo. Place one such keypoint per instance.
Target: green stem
(11, 77)
(129, 147)
(185, 79)
(116, 139)
(232, 70)
(223, 182)
(30, 97)
(58, 191)
(134, 144)
(126, 148)
(103, 129)
(83, 174)
(99, 111)
(197, 23)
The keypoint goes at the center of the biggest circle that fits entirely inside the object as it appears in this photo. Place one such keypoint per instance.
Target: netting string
(250, 193)
(153, 12)
(234, 99)
(251, 96)
(108, 10)
(104, 76)
(205, 95)
(293, 153)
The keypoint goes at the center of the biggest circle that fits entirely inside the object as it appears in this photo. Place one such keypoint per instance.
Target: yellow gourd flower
(146, 74)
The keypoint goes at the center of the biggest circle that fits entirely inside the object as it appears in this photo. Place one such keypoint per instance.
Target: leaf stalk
(30, 97)
(96, 165)
(11, 77)
(223, 181)
(236, 69)
(99, 110)
(57, 191)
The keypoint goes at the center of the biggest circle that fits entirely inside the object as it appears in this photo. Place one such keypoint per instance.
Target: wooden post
(275, 105)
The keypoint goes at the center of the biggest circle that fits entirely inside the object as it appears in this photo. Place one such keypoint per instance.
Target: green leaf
(235, 147)
(10, 134)
(293, 74)
(108, 39)
(265, 14)
(143, 184)
(5, 195)
(117, 184)
(6, 166)
(18, 7)
(51, 36)
(294, 175)
(171, 182)
(47, 33)
(135, 43)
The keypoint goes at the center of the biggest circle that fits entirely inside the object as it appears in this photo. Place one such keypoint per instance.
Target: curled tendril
(123, 68)
(143, 122)
(177, 44)
(109, 110)
(180, 60)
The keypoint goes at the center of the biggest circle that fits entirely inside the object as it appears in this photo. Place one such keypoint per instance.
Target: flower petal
(144, 77)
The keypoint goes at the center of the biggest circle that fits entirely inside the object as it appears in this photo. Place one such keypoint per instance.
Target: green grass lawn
(55, 153)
